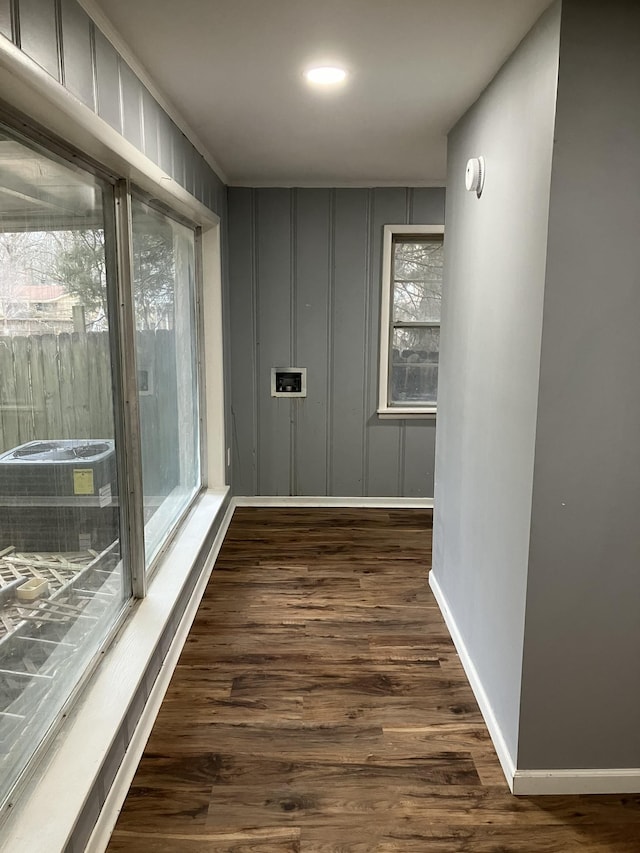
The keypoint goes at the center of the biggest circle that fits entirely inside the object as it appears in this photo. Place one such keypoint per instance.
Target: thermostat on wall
(288, 381)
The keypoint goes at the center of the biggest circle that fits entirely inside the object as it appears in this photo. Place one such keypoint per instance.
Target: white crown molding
(103, 23)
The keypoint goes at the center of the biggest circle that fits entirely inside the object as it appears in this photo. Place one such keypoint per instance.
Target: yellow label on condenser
(82, 481)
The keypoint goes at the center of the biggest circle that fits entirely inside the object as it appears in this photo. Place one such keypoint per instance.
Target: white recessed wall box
(474, 176)
(288, 381)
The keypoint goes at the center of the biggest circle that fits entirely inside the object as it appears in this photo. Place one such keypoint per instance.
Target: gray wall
(305, 276)
(63, 40)
(489, 364)
(581, 676)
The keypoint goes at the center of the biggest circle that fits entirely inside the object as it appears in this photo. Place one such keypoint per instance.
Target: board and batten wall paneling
(78, 52)
(61, 38)
(275, 232)
(150, 126)
(243, 346)
(305, 278)
(108, 82)
(312, 287)
(39, 34)
(346, 461)
(131, 96)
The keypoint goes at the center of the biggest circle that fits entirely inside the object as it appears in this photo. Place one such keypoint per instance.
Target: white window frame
(384, 409)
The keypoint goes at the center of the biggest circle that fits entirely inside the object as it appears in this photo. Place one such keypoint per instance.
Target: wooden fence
(55, 386)
(60, 386)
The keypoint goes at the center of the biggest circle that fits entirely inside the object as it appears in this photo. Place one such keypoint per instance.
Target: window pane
(414, 366)
(164, 303)
(417, 280)
(61, 580)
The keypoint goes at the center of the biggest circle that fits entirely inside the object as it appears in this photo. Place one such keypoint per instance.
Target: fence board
(24, 399)
(51, 386)
(105, 421)
(65, 384)
(61, 387)
(79, 356)
(37, 390)
(8, 394)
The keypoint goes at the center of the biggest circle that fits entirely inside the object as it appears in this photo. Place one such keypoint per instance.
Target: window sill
(73, 764)
(398, 414)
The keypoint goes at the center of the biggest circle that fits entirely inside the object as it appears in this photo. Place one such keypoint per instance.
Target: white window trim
(384, 409)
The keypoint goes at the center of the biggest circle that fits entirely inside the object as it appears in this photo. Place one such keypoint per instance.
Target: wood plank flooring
(319, 705)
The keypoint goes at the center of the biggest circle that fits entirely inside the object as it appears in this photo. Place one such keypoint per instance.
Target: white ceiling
(233, 69)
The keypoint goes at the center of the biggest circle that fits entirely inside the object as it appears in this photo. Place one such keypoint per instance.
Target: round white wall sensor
(474, 176)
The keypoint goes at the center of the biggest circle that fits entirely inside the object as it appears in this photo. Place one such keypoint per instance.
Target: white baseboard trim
(533, 782)
(589, 781)
(504, 756)
(325, 500)
(117, 793)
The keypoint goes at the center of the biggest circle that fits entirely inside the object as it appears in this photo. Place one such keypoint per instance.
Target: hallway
(319, 705)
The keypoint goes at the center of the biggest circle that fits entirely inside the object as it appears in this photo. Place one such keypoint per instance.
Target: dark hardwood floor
(319, 705)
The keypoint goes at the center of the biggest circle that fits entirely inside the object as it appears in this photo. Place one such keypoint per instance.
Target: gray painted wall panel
(349, 322)
(581, 671)
(108, 82)
(274, 263)
(219, 196)
(150, 126)
(419, 457)
(426, 205)
(39, 34)
(209, 191)
(200, 177)
(230, 445)
(78, 52)
(242, 343)
(336, 442)
(5, 18)
(313, 290)
(165, 142)
(131, 90)
(489, 364)
(384, 437)
(178, 169)
(190, 156)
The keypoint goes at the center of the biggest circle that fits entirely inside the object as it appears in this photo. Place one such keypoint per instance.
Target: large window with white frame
(79, 348)
(410, 319)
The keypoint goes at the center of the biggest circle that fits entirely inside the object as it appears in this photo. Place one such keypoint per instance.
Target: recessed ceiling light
(326, 75)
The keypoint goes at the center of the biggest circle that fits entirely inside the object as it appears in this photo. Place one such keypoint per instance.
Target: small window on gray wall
(410, 329)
